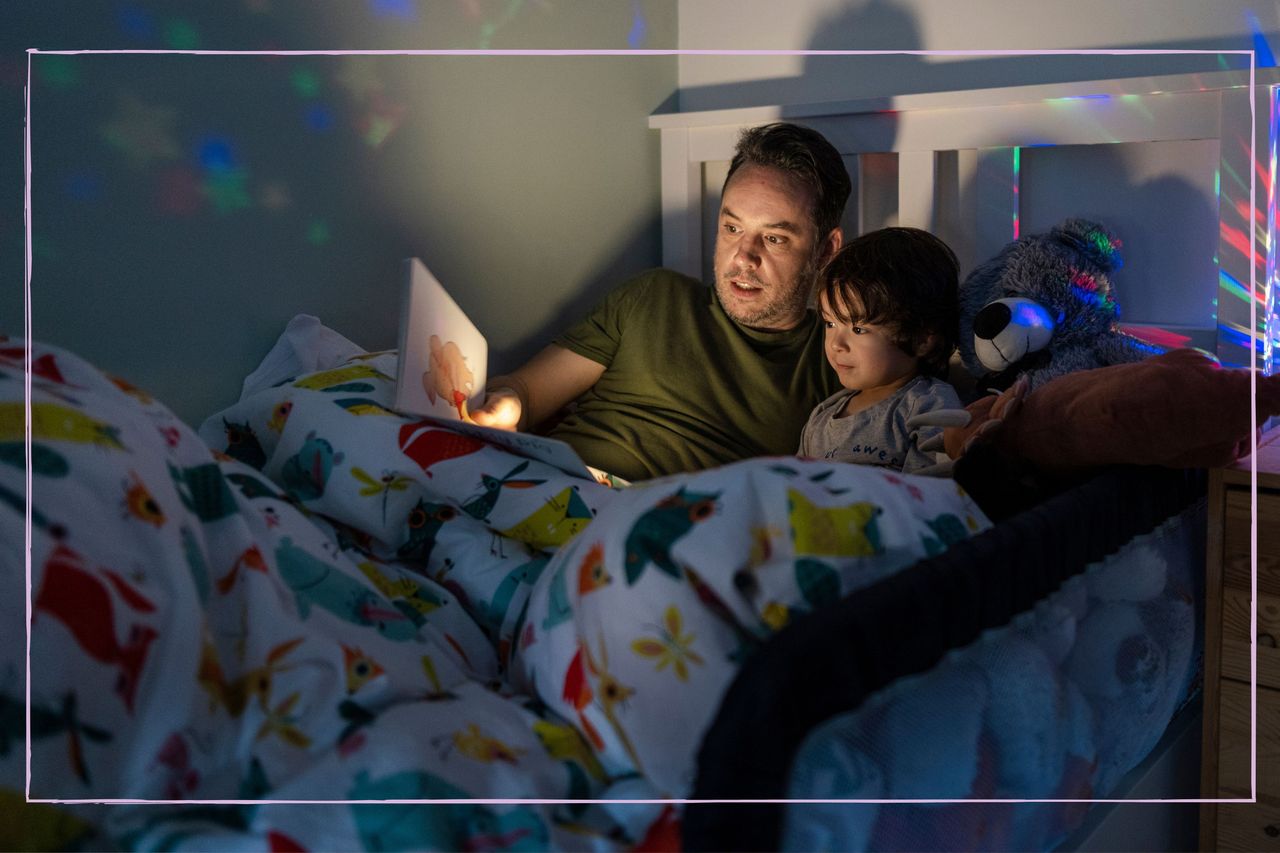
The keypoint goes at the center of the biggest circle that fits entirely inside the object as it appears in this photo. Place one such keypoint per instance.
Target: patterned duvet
(317, 599)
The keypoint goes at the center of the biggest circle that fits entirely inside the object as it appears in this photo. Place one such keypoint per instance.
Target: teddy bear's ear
(1092, 240)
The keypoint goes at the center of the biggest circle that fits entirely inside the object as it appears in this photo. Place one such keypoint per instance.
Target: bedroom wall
(184, 208)
(714, 82)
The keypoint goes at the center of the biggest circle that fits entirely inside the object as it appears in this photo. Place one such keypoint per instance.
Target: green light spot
(43, 249)
(318, 233)
(306, 82)
(58, 71)
(181, 35)
(227, 191)
(1231, 173)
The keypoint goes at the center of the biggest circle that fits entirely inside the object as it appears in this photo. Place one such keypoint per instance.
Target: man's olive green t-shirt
(685, 387)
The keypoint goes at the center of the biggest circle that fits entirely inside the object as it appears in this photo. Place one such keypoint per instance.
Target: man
(674, 376)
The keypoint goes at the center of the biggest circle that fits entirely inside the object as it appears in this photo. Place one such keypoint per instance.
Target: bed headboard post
(917, 171)
(681, 193)
(986, 179)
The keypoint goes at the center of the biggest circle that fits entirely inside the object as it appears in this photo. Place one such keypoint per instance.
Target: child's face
(864, 355)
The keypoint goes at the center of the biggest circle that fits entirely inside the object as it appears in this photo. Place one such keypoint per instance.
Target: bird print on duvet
(637, 626)
(451, 618)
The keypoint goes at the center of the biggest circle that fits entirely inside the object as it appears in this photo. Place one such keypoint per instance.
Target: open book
(442, 371)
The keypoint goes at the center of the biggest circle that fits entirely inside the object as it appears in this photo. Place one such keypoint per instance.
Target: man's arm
(536, 391)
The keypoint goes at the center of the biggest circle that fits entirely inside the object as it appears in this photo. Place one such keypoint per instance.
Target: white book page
(443, 356)
(442, 371)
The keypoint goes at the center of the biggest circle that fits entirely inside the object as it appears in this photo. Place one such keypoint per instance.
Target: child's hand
(501, 409)
(964, 428)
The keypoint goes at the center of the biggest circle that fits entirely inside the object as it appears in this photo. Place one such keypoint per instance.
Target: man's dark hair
(905, 279)
(804, 154)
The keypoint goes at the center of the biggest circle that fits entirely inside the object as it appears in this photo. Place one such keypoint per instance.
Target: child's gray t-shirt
(878, 435)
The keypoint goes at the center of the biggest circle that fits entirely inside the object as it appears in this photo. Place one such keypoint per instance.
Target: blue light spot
(319, 118)
(1261, 49)
(136, 22)
(635, 38)
(1240, 339)
(405, 10)
(84, 186)
(216, 156)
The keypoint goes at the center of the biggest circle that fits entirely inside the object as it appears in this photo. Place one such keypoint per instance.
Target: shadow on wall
(574, 306)
(889, 25)
(1142, 192)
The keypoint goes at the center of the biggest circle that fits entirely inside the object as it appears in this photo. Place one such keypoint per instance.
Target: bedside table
(1226, 755)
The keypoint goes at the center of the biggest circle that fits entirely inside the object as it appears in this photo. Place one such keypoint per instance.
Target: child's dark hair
(905, 279)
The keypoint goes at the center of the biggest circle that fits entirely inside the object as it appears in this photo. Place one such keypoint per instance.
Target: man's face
(767, 248)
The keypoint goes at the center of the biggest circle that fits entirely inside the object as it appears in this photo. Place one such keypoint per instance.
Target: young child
(889, 306)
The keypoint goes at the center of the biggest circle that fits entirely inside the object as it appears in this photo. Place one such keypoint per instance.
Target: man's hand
(527, 397)
(501, 409)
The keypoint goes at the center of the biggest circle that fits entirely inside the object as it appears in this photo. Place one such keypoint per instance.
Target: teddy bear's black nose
(991, 320)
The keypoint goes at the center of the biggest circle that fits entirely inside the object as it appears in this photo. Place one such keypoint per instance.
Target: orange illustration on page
(448, 377)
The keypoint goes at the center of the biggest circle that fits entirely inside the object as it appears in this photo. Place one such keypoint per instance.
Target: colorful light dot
(306, 82)
(43, 248)
(84, 186)
(275, 196)
(380, 122)
(181, 35)
(227, 190)
(58, 71)
(216, 155)
(405, 10)
(142, 132)
(319, 118)
(136, 22)
(1017, 168)
(318, 233)
(639, 27)
(1262, 54)
(178, 192)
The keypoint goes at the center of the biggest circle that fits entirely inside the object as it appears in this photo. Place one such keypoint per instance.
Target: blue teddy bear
(1045, 306)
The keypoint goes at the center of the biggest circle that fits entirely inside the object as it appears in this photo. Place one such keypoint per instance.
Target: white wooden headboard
(1164, 161)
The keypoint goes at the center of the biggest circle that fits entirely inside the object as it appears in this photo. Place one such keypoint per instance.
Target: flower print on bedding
(635, 629)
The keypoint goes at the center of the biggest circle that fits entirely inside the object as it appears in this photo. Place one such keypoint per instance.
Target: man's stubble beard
(794, 306)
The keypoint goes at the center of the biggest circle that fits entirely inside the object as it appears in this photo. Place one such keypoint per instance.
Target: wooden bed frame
(948, 162)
